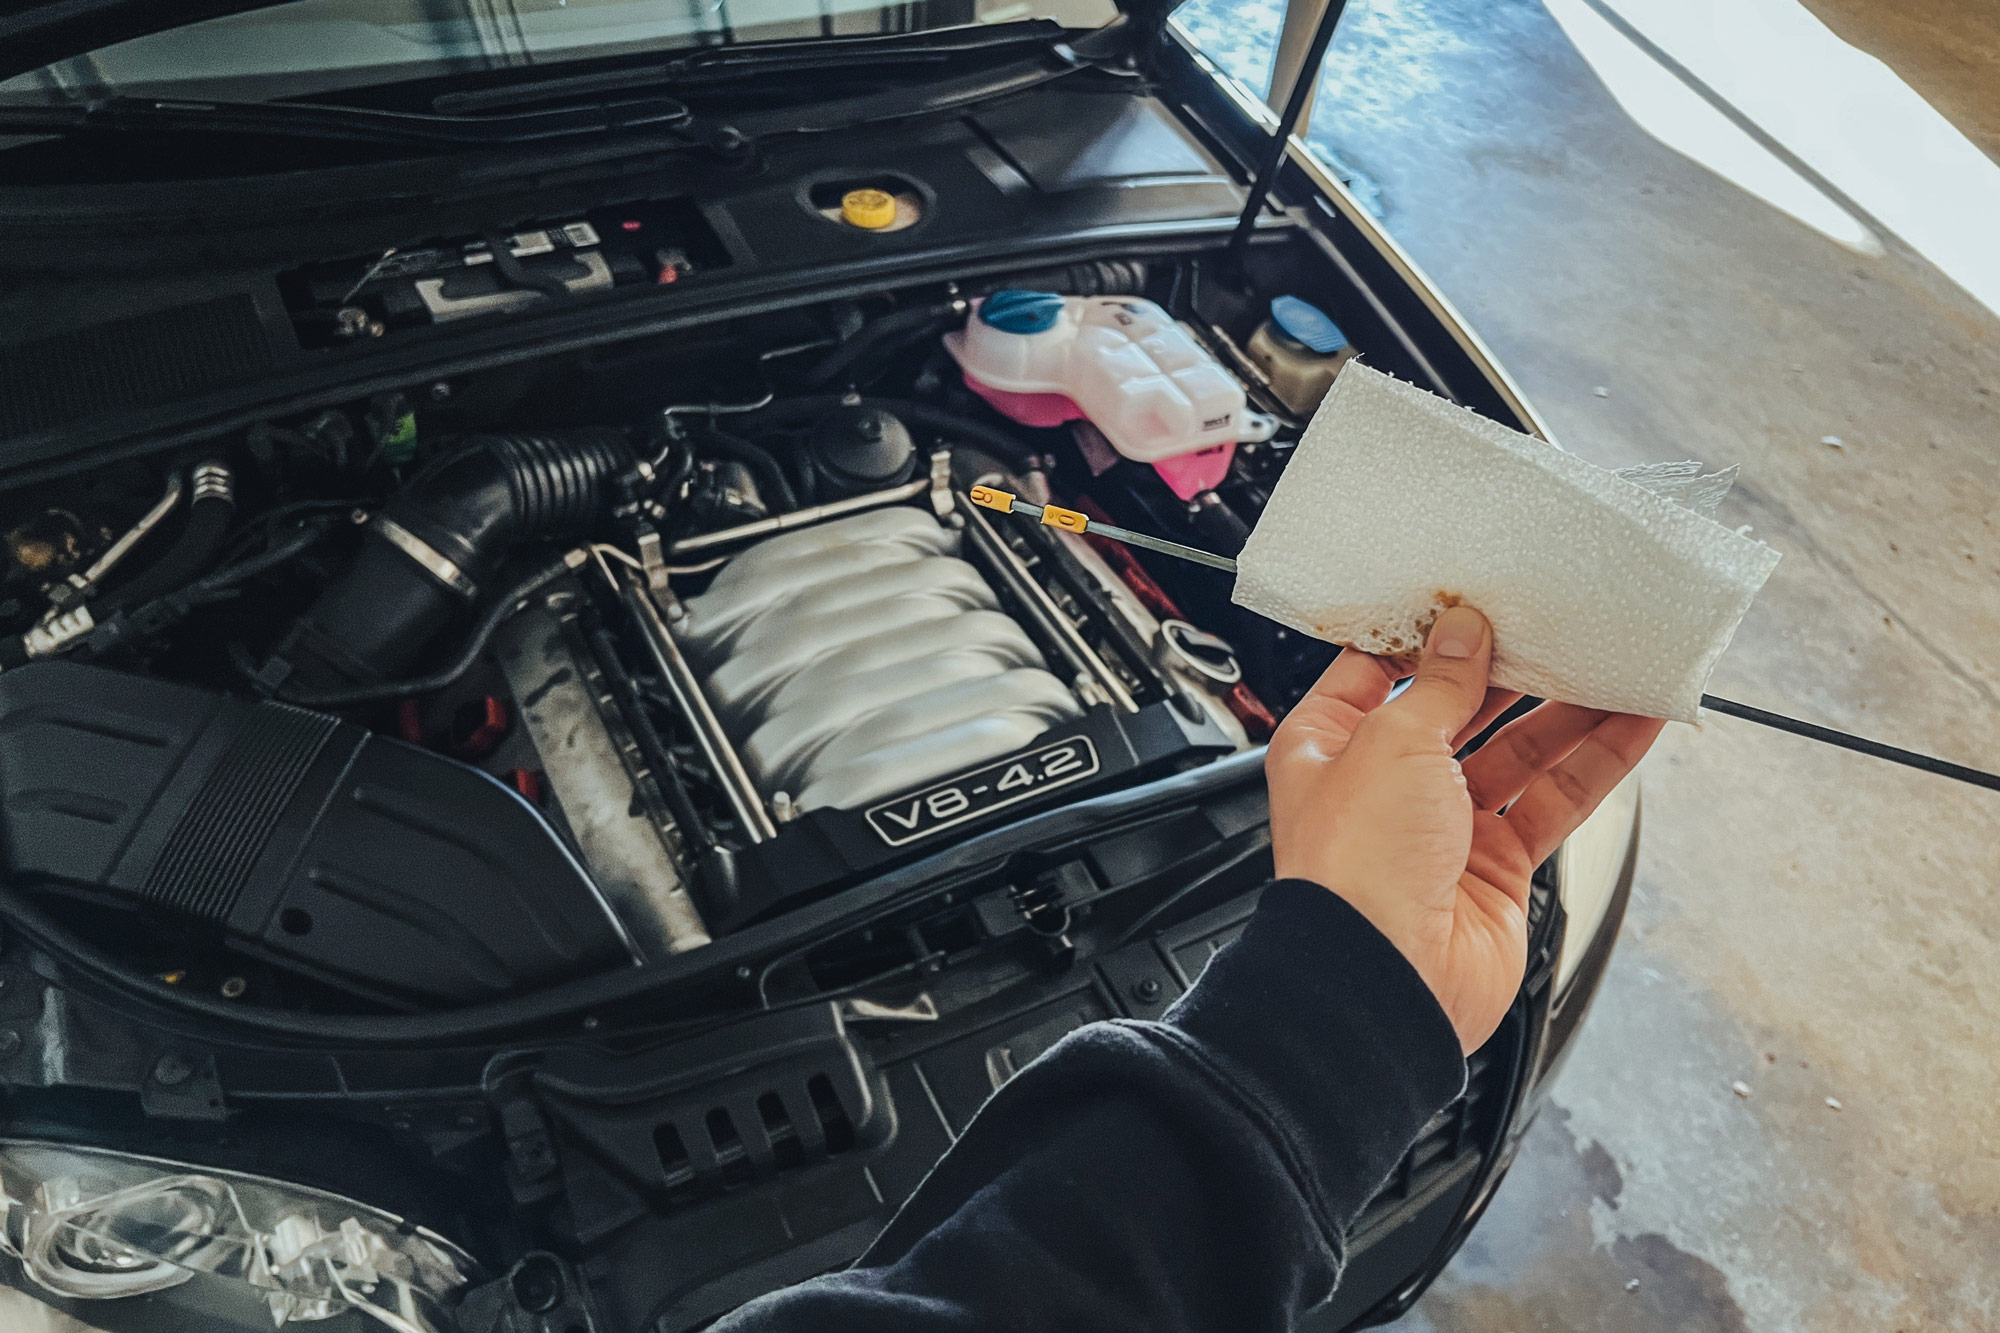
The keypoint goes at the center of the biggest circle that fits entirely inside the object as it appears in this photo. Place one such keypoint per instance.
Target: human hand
(1367, 800)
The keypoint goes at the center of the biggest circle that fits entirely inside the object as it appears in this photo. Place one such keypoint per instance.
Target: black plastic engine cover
(381, 868)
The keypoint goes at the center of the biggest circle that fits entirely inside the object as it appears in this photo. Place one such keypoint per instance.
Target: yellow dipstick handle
(1066, 519)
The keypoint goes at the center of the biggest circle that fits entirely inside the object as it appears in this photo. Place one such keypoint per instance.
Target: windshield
(315, 47)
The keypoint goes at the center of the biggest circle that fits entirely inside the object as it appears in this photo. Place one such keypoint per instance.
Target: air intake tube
(430, 551)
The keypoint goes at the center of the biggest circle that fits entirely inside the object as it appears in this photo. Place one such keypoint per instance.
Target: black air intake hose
(433, 548)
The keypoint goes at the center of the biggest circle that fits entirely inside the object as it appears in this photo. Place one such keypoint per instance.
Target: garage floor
(1810, 924)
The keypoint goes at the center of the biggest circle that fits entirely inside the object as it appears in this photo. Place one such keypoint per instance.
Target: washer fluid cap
(1306, 324)
(1017, 311)
(871, 210)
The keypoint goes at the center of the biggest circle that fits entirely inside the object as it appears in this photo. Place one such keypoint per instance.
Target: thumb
(1451, 678)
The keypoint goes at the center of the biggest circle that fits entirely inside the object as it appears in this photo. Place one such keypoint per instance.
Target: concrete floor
(1812, 924)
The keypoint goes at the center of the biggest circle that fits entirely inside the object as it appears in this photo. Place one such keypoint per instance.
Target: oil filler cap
(871, 210)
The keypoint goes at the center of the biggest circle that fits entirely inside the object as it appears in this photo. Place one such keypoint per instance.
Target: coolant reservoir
(1121, 363)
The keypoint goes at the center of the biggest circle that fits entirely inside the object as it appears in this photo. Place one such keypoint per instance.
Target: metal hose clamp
(421, 551)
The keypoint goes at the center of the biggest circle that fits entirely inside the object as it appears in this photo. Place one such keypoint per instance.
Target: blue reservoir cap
(1015, 311)
(1306, 323)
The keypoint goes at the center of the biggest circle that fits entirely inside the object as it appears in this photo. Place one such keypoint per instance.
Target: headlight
(91, 1224)
(1587, 870)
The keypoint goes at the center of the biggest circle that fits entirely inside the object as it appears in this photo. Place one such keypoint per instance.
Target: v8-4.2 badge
(970, 795)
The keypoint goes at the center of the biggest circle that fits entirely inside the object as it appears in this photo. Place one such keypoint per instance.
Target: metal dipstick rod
(988, 497)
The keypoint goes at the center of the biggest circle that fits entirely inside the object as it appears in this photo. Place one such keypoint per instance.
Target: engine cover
(863, 657)
(384, 869)
(870, 679)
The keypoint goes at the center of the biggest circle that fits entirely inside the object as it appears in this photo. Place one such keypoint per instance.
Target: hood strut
(1288, 123)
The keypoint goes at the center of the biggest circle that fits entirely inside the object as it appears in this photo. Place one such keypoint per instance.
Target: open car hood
(35, 33)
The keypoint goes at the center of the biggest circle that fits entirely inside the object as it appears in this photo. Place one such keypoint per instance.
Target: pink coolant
(1186, 475)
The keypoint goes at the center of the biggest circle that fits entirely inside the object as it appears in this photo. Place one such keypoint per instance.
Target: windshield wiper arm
(325, 121)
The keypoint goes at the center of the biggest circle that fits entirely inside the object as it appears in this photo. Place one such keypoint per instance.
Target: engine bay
(456, 692)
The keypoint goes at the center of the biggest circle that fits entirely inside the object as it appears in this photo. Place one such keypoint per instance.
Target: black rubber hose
(777, 488)
(193, 551)
(201, 540)
(792, 411)
(502, 609)
(142, 619)
(1104, 277)
(249, 567)
(876, 333)
(469, 508)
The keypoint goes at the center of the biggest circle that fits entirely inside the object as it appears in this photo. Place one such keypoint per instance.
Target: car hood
(35, 33)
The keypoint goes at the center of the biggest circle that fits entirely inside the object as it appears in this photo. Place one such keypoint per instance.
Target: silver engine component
(862, 657)
(594, 767)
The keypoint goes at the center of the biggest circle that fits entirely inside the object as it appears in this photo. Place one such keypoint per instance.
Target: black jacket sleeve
(1198, 1173)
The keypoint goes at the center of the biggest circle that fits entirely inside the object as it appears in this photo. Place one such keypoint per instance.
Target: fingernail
(1457, 632)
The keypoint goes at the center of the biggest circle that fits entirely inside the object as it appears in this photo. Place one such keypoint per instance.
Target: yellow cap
(992, 497)
(870, 209)
(1066, 519)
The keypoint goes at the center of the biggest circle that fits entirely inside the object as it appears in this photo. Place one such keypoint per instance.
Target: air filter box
(386, 870)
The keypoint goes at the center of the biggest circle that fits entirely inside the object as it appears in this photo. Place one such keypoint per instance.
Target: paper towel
(1601, 590)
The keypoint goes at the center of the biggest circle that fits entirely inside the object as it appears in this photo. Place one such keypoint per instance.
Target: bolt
(10, 1042)
(538, 1285)
(357, 516)
(171, 1070)
(441, 391)
(743, 972)
(233, 988)
(1147, 990)
(590, 1022)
